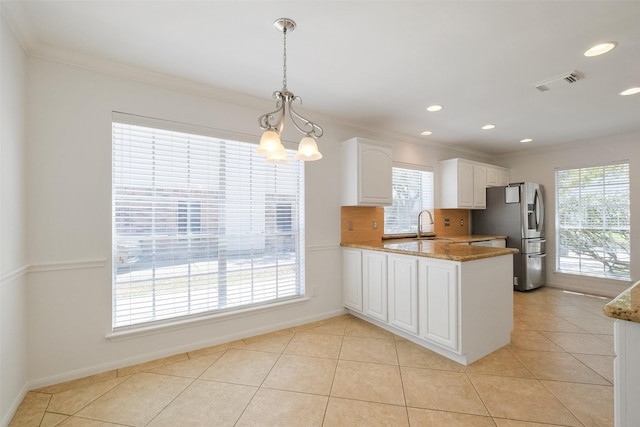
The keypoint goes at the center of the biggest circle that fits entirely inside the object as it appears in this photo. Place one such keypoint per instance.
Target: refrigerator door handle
(539, 209)
(537, 256)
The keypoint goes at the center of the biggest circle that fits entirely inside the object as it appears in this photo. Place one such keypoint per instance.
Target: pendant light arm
(267, 121)
(309, 128)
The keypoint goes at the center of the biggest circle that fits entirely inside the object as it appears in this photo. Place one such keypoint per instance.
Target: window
(200, 225)
(593, 217)
(412, 193)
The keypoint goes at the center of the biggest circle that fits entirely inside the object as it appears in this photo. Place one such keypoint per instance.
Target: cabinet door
(374, 284)
(375, 182)
(479, 186)
(403, 292)
(465, 185)
(503, 177)
(352, 278)
(493, 176)
(438, 302)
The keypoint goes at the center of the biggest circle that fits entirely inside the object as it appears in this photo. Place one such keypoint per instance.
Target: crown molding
(15, 16)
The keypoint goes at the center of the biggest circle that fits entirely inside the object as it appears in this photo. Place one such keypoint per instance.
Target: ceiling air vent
(559, 81)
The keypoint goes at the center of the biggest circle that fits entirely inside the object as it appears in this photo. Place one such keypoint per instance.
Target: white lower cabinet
(438, 290)
(352, 278)
(626, 373)
(403, 292)
(374, 284)
(461, 310)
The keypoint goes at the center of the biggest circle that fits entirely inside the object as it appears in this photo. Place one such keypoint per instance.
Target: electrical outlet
(375, 225)
(461, 222)
(447, 223)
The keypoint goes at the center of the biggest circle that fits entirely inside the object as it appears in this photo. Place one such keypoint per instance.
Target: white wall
(69, 217)
(539, 166)
(13, 267)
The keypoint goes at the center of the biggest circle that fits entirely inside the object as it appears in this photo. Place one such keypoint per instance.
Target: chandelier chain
(284, 59)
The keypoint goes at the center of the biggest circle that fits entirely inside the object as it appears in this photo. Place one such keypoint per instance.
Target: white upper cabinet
(504, 177)
(479, 186)
(463, 183)
(366, 173)
(497, 176)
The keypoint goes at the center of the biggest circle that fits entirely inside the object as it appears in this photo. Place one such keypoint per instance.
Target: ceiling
(378, 64)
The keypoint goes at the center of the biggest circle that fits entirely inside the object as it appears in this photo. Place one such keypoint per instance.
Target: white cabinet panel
(503, 177)
(438, 290)
(626, 373)
(403, 292)
(479, 186)
(493, 176)
(374, 284)
(366, 173)
(456, 184)
(352, 278)
(462, 183)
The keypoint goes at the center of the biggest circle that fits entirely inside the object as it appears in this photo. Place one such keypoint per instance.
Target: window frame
(186, 227)
(587, 260)
(414, 218)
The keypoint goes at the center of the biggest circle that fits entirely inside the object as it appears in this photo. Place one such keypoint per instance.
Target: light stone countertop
(446, 248)
(625, 306)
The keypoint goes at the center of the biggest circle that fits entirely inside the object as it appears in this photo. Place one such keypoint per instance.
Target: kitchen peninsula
(447, 294)
(626, 310)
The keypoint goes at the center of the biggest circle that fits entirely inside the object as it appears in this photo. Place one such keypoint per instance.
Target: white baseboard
(6, 418)
(122, 363)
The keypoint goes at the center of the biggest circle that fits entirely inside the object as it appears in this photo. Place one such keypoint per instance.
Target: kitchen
(68, 218)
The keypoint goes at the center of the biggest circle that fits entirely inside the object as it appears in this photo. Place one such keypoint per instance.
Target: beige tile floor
(558, 370)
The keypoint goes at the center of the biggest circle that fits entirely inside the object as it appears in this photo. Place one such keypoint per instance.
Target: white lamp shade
(278, 156)
(269, 142)
(308, 150)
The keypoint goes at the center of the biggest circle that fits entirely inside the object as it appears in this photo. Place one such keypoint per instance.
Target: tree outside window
(593, 221)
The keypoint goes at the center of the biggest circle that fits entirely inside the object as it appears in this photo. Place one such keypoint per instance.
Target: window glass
(201, 225)
(412, 193)
(593, 221)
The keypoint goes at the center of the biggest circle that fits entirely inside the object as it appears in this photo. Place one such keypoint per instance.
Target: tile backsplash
(458, 220)
(361, 224)
(366, 224)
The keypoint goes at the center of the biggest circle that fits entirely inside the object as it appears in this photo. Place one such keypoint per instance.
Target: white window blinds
(593, 221)
(201, 225)
(412, 193)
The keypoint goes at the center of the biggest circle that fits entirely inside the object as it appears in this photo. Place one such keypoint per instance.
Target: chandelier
(273, 123)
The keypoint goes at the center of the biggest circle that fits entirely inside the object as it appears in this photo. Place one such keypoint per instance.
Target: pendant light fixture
(273, 123)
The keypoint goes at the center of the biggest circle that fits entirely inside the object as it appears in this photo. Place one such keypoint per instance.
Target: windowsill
(591, 277)
(142, 331)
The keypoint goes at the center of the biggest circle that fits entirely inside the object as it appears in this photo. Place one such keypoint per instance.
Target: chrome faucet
(420, 221)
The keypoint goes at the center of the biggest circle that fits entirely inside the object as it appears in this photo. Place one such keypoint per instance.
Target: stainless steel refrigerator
(517, 211)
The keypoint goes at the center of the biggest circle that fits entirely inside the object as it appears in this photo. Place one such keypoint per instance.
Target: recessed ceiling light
(433, 108)
(526, 140)
(487, 127)
(630, 91)
(600, 49)
(426, 133)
